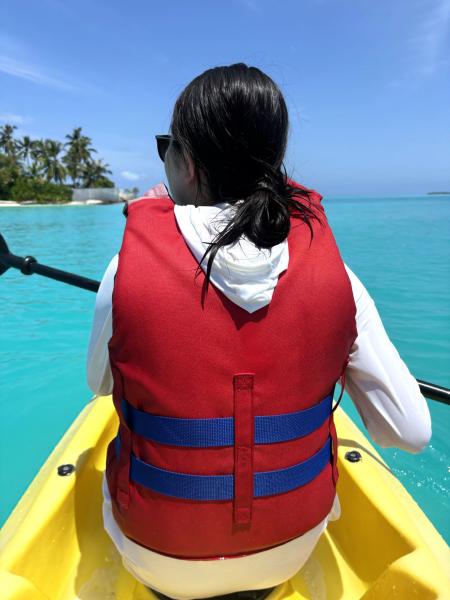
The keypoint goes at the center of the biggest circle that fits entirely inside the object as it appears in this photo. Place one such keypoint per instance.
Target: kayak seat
(243, 595)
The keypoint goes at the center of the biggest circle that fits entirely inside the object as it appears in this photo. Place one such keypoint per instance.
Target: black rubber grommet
(64, 470)
(353, 456)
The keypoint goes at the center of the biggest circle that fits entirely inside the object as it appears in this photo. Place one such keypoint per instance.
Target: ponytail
(233, 123)
(264, 217)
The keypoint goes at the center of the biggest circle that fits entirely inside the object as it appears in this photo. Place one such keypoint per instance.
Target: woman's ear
(190, 171)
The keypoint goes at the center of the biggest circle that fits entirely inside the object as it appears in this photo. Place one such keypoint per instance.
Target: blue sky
(367, 83)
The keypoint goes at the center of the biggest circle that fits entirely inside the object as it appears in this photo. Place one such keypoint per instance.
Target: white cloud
(12, 118)
(130, 175)
(15, 68)
(426, 47)
(428, 43)
(17, 59)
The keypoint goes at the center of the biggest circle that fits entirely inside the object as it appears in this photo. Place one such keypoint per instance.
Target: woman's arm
(385, 393)
(99, 376)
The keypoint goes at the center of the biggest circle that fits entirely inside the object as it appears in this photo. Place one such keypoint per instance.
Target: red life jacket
(226, 444)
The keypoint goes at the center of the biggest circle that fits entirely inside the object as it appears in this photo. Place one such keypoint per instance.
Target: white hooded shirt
(385, 393)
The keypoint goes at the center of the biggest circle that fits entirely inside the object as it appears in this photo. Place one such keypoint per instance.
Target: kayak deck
(54, 546)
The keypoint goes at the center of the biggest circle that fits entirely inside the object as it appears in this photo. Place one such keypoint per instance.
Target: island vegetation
(47, 170)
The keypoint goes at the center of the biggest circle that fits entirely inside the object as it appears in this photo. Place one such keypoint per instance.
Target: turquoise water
(398, 247)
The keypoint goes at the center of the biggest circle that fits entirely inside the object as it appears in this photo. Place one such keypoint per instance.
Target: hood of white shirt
(245, 274)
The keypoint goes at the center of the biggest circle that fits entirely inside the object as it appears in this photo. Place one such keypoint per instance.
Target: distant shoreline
(14, 204)
(94, 202)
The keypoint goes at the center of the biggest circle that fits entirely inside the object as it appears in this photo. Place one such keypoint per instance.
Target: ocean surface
(398, 247)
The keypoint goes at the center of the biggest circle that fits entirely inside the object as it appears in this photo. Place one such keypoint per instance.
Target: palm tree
(7, 141)
(95, 171)
(36, 168)
(78, 154)
(26, 145)
(10, 171)
(52, 167)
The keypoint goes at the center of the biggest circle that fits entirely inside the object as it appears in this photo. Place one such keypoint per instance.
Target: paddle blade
(4, 251)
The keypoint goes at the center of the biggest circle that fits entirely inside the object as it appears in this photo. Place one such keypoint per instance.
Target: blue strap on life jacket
(215, 432)
(206, 433)
(220, 487)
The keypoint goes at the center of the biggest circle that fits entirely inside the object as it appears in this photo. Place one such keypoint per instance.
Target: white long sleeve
(385, 393)
(98, 370)
(378, 381)
(386, 396)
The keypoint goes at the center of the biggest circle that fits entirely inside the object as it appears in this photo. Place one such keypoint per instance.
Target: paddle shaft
(29, 265)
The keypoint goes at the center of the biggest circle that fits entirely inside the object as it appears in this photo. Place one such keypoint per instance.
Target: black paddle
(29, 265)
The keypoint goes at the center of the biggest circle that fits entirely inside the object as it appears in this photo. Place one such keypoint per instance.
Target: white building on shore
(105, 195)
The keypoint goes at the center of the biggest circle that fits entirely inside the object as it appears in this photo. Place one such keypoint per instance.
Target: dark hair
(233, 123)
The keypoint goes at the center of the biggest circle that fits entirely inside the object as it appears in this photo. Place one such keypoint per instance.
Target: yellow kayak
(54, 547)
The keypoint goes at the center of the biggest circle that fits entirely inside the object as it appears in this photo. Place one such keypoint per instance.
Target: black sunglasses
(162, 143)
